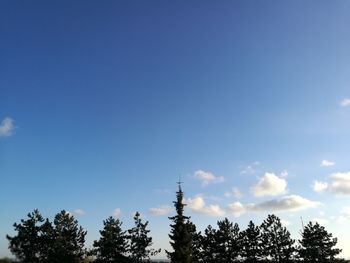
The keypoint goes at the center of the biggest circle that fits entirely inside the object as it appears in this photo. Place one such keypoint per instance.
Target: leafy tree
(112, 245)
(209, 245)
(317, 245)
(277, 243)
(140, 241)
(69, 239)
(180, 233)
(26, 245)
(227, 240)
(251, 243)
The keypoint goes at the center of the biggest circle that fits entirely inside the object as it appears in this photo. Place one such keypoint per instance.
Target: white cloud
(236, 209)
(6, 127)
(235, 192)
(207, 177)
(284, 174)
(321, 221)
(339, 183)
(326, 163)
(269, 185)
(345, 102)
(286, 203)
(161, 210)
(79, 212)
(197, 205)
(320, 187)
(117, 212)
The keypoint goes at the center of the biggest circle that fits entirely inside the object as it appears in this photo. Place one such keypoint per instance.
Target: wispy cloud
(250, 168)
(117, 212)
(207, 177)
(326, 163)
(235, 192)
(160, 210)
(319, 187)
(269, 185)
(6, 127)
(79, 212)
(345, 102)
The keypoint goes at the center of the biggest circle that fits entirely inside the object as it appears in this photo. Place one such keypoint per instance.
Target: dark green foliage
(26, 245)
(196, 242)
(6, 260)
(69, 239)
(277, 244)
(317, 245)
(209, 250)
(180, 234)
(112, 245)
(227, 239)
(251, 243)
(140, 241)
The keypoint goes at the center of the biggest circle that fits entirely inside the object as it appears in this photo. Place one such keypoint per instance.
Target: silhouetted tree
(140, 241)
(209, 246)
(180, 233)
(251, 243)
(277, 244)
(227, 241)
(69, 239)
(317, 245)
(196, 242)
(26, 245)
(112, 245)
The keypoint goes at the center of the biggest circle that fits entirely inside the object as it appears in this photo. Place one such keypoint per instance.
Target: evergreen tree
(251, 243)
(209, 246)
(180, 234)
(317, 245)
(69, 239)
(196, 243)
(112, 245)
(227, 240)
(140, 241)
(26, 245)
(277, 244)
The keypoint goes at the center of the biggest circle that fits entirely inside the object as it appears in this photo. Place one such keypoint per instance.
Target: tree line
(39, 240)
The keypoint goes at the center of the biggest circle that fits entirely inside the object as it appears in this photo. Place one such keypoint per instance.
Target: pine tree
(112, 245)
(140, 241)
(227, 241)
(26, 245)
(317, 245)
(209, 246)
(69, 239)
(196, 243)
(277, 244)
(251, 243)
(180, 234)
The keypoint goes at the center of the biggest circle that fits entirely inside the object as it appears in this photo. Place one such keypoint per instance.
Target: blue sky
(105, 104)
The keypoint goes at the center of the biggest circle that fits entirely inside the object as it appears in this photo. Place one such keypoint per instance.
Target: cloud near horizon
(160, 210)
(6, 127)
(339, 183)
(117, 212)
(197, 205)
(287, 203)
(269, 185)
(207, 177)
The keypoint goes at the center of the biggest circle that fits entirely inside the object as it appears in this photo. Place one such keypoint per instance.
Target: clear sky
(105, 104)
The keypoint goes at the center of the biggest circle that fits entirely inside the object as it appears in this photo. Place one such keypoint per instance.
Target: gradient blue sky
(104, 104)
